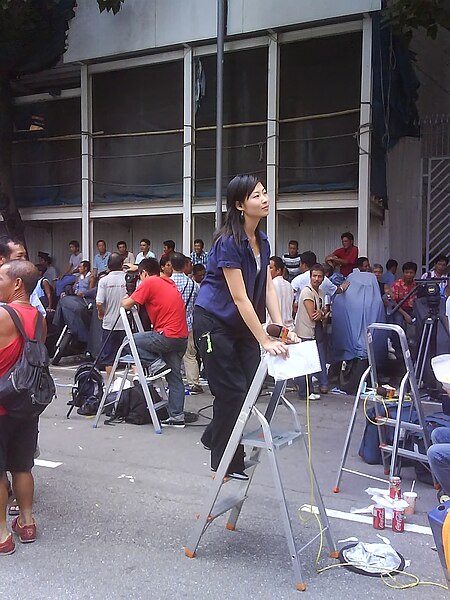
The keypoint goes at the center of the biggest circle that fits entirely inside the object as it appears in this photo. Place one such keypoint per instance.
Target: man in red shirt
(165, 345)
(344, 257)
(18, 437)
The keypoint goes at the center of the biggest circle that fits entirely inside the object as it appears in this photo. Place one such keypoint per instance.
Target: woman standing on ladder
(229, 312)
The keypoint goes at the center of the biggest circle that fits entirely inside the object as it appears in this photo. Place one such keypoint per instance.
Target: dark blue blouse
(214, 295)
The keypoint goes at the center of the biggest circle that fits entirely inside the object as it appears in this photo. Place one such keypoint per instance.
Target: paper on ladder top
(303, 359)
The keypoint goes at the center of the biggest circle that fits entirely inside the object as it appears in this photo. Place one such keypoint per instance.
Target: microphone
(278, 331)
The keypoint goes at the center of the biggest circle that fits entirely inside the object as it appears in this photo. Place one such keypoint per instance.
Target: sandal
(14, 508)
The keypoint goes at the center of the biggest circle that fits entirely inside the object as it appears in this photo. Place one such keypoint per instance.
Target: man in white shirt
(284, 291)
(145, 252)
(308, 259)
(128, 257)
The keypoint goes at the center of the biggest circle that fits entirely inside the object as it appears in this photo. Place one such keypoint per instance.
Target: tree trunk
(8, 208)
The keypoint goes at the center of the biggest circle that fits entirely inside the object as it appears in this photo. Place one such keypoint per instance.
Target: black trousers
(231, 359)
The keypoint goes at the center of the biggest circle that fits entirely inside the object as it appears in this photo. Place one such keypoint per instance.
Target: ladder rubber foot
(189, 553)
(300, 587)
(230, 527)
(334, 554)
(336, 489)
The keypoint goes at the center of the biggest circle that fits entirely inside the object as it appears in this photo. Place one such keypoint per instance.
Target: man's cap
(43, 254)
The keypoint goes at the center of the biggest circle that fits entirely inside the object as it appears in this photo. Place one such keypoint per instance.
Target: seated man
(344, 257)
(439, 453)
(69, 276)
(75, 310)
(164, 347)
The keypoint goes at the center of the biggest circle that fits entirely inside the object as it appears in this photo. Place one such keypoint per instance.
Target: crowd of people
(206, 308)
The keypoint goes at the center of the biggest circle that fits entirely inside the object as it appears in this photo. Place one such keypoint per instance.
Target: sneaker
(239, 475)
(26, 533)
(196, 389)
(171, 422)
(190, 417)
(314, 397)
(158, 368)
(8, 546)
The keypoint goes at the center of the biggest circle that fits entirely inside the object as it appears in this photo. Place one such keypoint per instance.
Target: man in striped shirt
(189, 292)
(292, 260)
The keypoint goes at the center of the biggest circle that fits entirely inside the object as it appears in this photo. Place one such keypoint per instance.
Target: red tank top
(12, 351)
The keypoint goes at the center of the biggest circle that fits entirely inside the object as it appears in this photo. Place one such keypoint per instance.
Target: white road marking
(338, 514)
(47, 463)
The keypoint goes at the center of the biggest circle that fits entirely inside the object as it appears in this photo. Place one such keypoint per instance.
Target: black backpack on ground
(27, 388)
(87, 389)
(132, 407)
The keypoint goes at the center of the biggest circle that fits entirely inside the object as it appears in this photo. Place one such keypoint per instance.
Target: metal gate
(437, 172)
(435, 131)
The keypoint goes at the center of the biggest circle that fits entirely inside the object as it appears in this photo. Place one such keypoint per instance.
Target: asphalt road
(114, 517)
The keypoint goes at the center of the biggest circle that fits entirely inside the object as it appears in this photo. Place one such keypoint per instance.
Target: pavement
(115, 515)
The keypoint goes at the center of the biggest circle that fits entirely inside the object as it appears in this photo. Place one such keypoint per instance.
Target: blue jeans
(151, 346)
(322, 376)
(439, 457)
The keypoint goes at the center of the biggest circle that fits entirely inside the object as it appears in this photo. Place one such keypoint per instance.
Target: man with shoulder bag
(26, 388)
(309, 326)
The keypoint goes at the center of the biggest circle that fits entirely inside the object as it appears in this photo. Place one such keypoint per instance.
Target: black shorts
(18, 439)
(112, 345)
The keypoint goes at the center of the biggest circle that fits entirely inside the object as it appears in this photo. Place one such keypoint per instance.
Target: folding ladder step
(406, 453)
(225, 504)
(280, 437)
(404, 424)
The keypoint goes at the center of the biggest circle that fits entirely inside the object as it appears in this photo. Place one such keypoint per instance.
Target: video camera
(429, 289)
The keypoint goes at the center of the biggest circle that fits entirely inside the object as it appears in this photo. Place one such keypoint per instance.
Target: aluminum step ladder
(409, 385)
(144, 379)
(236, 492)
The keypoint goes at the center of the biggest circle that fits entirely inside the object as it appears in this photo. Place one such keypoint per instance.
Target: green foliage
(108, 5)
(408, 15)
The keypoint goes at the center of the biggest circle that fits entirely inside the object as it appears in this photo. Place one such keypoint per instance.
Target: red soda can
(398, 520)
(379, 517)
(395, 488)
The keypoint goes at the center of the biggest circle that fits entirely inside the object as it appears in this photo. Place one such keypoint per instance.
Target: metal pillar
(273, 95)
(221, 25)
(86, 162)
(188, 153)
(365, 127)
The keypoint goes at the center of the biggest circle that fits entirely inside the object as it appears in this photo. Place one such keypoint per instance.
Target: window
(319, 113)
(245, 114)
(138, 133)
(46, 153)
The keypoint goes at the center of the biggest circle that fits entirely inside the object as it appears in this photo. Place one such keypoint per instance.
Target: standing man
(308, 259)
(127, 256)
(101, 259)
(198, 255)
(391, 269)
(189, 292)
(344, 257)
(308, 326)
(168, 248)
(49, 271)
(165, 345)
(198, 273)
(292, 259)
(439, 270)
(145, 251)
(18, 437)
(284, 291)
(111, 291)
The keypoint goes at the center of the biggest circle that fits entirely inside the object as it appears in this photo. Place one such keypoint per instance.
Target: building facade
(124, 145)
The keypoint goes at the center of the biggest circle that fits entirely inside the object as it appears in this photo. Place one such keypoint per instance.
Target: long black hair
(238, 190)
